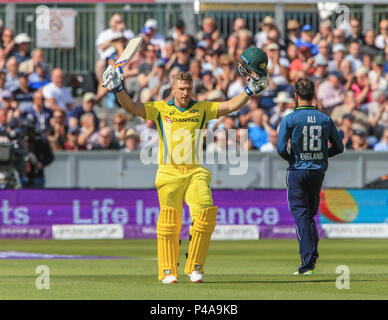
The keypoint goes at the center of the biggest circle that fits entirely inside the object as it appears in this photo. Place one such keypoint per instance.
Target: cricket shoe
(196, 276)
(306, 273)
(169, 279)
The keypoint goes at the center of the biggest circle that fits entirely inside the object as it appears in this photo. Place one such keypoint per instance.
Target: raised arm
(129, 105)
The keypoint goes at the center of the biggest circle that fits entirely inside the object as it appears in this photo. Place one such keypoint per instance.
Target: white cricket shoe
(169, 279)
(196, 276)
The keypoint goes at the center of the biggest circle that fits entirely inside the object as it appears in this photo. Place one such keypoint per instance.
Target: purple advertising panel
(32, 213)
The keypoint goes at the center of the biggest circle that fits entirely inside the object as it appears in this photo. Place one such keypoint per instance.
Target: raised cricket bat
(129, 52)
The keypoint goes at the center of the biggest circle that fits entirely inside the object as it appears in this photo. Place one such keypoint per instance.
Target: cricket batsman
(180, 176)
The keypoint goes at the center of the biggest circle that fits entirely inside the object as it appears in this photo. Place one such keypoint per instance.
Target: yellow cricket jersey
(180, 129)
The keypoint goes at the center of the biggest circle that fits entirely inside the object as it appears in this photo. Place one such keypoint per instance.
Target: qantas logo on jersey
(171, 120)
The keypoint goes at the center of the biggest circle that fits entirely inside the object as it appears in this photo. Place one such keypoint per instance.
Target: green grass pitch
(235, 270)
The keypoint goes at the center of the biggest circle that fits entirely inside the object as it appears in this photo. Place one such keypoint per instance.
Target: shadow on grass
(287, 281)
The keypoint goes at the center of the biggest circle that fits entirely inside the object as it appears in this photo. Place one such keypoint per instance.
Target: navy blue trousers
(303, 188)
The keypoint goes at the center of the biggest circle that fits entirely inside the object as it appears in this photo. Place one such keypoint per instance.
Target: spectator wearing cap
(369, 46)
(293, 31)
(362, 87)
(354, 55)
(106, 140)
(378, 112)
(40, 77)
(355, 29)
(150, 30)
(23, 94)
(339, 52)
(321, 70)
(359, 141)
(324, 32)
(119, 127)
(209, 83)
(11, 80)
(266, 24)
(330, 93)
(22, 52)
(306, 39)
(29, 66)
(338, 36)
(57, 96)
(7, 46)
(131, 141)
(104, 41)
(148, 68)
(71, 143)
(182, 61)
(376, 75)
(40, 112)
(360, 118)
(277, 66)
(89, 134)
(159, 79)
(382, 145)
(381, 41)
(281, 110)
(88, 103)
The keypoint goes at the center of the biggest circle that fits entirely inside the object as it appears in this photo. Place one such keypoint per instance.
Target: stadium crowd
(350, 70)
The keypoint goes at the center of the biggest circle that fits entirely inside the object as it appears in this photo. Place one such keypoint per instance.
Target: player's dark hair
(305, 89)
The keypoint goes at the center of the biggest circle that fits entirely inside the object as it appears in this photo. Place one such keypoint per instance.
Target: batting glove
(113, 78)
(256, 87)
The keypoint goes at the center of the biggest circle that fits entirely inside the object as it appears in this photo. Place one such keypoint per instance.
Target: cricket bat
(129, 52)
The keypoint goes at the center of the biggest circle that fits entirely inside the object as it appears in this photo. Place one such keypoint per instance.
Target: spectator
(369, 46)
(347, 73)
(182, 61)
(386, 59)
(209, 28)
(7, 46)
(149, 137)
(324, 49)
(362, 87)
(40, 112)
(378, 112)
(293, 31)
(381, 41)
(281, 110)
(159, 79)
(338, 36)
(88, 136)
(106, 140)
(382, 145)
(321, 70)
(238, 24)
(11, 107)
(339, 52)
(57, 96)
(23, 94)
(355, 29)
(11, 79)
(244, 40)
(148, 68)
(270, 146)
(104, 41)
(150, 30)
(119, 125)
(277, 66)
(22, 53)
(292, 52)
(259, 128)
(71, 143)
(88, 103)
(354, 55)
(306, 39)
(228, 74)
(57, 134)
(304, 62)
(40, 77)
(29, 66)
(324, 33)
(232, 46)
(376, 76)
(346, 130)
(3, 76)
(131, 141)
(359, 141)
(360, 118)
(267, 24)
(330, 93)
